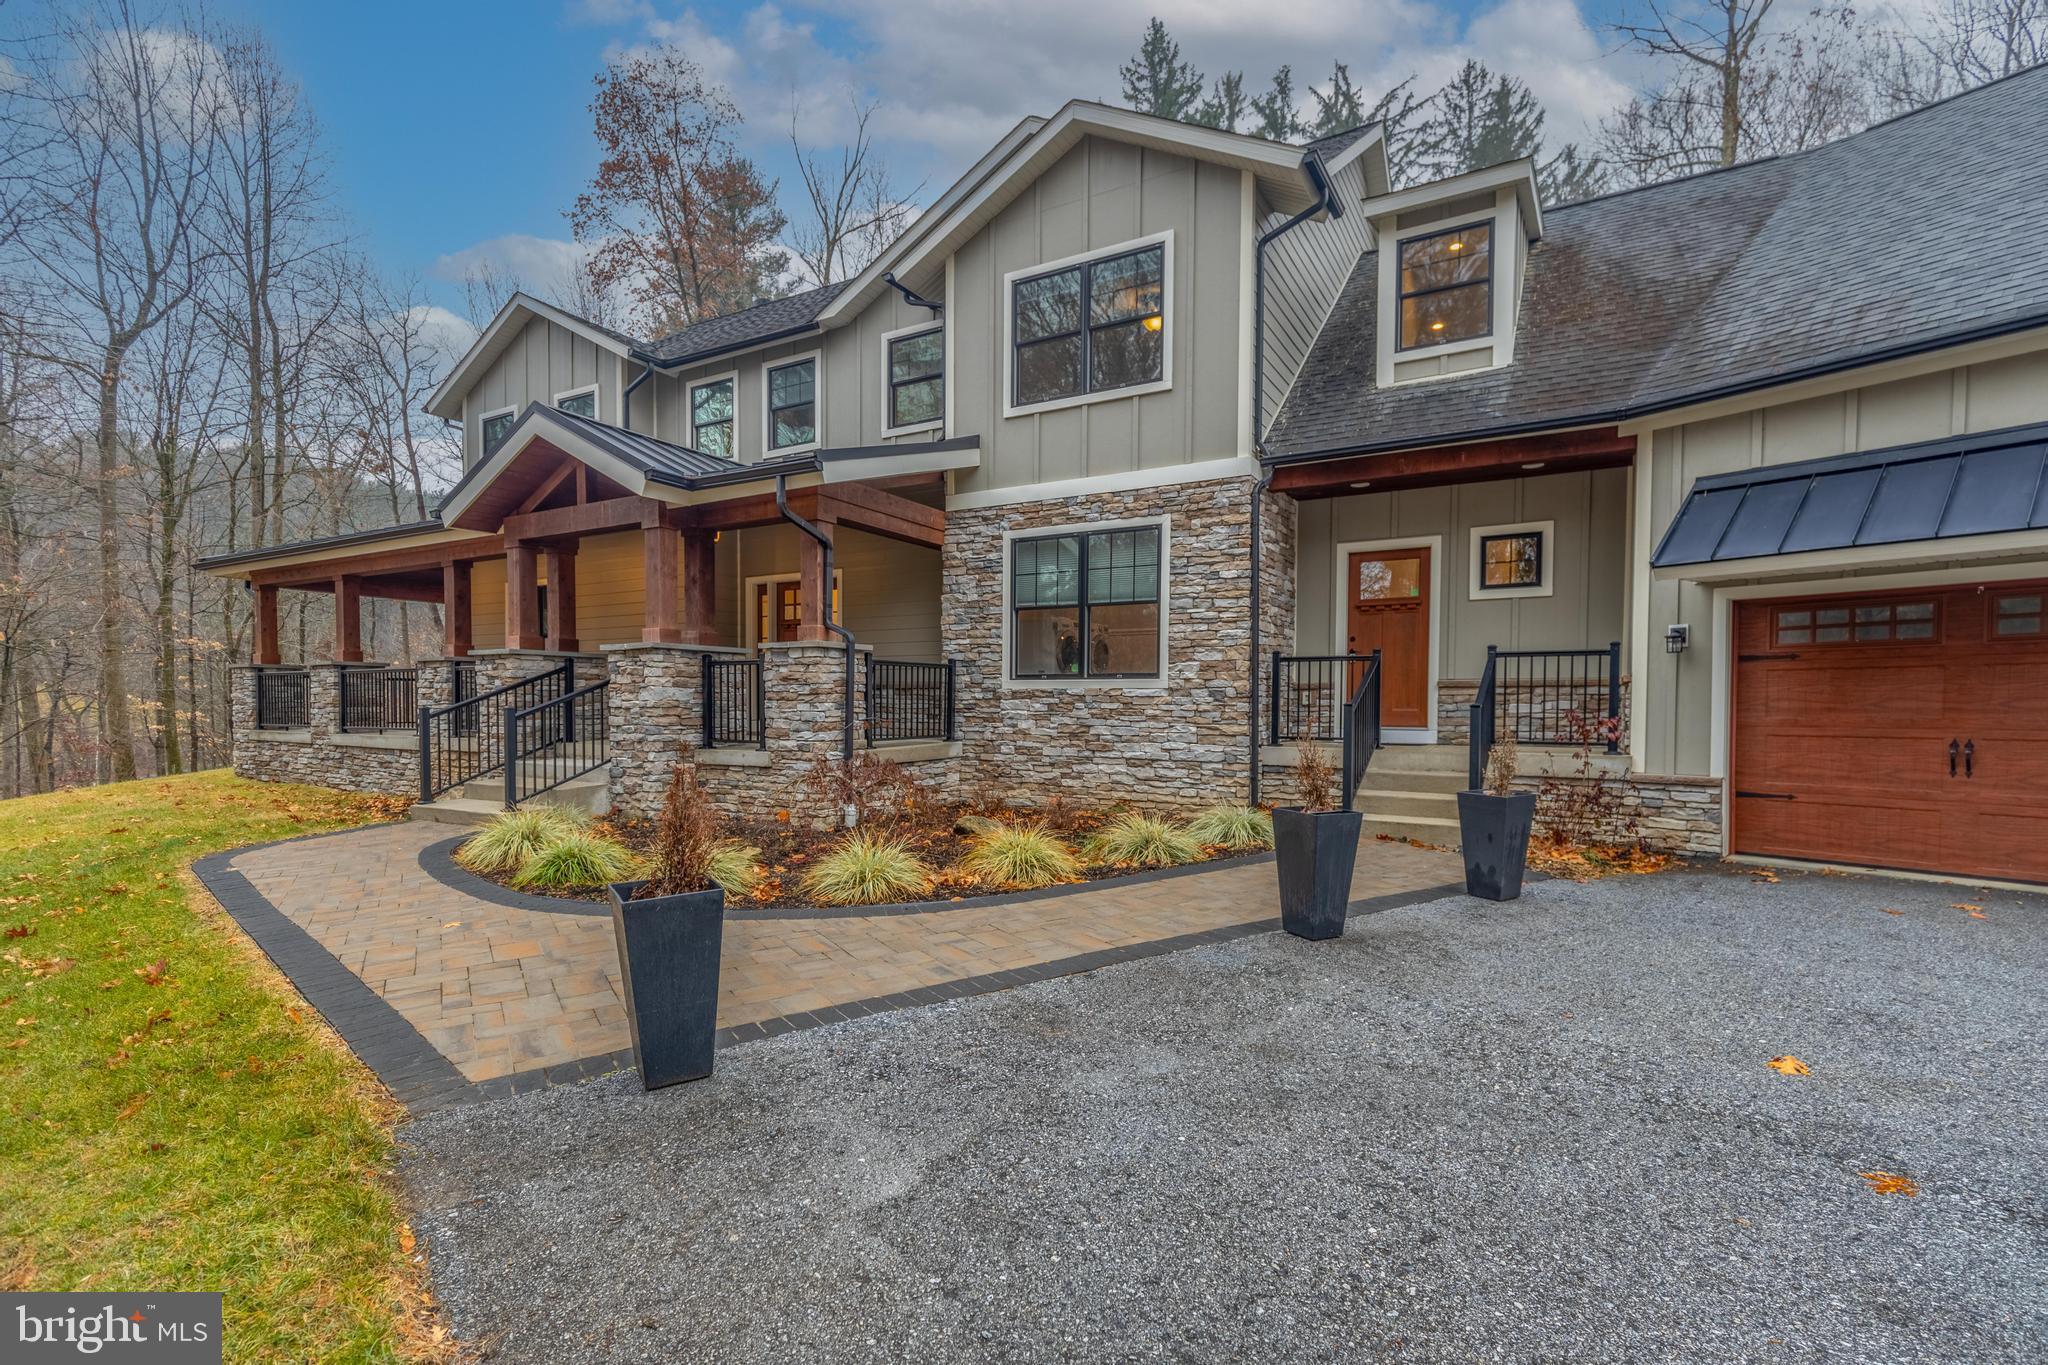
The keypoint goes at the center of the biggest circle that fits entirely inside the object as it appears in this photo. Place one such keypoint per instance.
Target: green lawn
(171, 1116)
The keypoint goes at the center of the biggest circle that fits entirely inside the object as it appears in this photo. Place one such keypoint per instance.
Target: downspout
(626, 398)
(831, 624)
(1326, 201)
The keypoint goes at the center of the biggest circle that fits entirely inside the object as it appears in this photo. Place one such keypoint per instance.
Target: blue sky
(459, 131)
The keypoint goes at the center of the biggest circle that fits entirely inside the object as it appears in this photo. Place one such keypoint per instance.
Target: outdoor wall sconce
(1676, 638)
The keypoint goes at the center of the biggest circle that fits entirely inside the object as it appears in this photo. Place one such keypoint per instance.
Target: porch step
(1419, 758)
(476, 802)
(1405, 800)
(455, 810)
(1378, 779)
(1428, 829)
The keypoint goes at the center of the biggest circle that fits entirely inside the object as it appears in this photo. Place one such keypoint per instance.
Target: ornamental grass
(1138, 840)
(867, 869)
(1241, 829)
(1020, 857)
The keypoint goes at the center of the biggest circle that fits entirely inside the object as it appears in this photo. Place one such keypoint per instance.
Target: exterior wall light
(1676, 638)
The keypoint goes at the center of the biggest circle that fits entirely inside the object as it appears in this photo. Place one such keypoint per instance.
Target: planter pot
(668, 957)
(1314, 854)
(1495, 833)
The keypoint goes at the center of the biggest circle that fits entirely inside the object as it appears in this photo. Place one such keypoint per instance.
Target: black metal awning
(1935, 490)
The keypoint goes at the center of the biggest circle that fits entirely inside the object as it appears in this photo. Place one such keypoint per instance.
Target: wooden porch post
(700, 588)
(348, 619)
(814, 588)
(522, 597)
(455, 608)
(562, 597)
(266, 625)
(658, 567)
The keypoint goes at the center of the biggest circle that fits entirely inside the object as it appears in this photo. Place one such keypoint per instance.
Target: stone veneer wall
(1454, 716)
(320, 754)
(1182, 744)
(1674, 814)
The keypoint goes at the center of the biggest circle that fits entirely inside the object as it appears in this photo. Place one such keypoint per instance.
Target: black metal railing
(1307, 694)
(552, 741)
(283, 699)
(462, 687)
(1558, 696)
(465, 740)
(735, 711)
(910, 700)
(1479, 737)
(379, 698)
(1361, 728)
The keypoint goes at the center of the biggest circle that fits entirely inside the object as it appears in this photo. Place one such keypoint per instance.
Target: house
(1122, 473)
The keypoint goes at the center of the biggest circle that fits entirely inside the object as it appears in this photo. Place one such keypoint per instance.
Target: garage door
(1906, 730)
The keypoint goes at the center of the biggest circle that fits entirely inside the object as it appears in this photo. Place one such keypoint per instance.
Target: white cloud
(450, 334)
(539, 265)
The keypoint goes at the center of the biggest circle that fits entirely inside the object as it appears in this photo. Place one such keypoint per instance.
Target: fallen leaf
(133, 1107)
(406, 1240)
(1884, 1182)
(153, 974)
(1788, 1065)
(291, 1012)
(1889, 911)
(1764, 874)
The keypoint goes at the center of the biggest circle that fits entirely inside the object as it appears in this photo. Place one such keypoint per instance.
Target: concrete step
(1427, 829)
(1435, 805)
(456, 810)
(1419, 758)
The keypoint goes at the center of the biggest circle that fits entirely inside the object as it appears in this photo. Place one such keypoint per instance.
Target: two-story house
(1123, 470)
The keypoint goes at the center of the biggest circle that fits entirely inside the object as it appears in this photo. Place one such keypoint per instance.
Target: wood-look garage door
(1905, 730)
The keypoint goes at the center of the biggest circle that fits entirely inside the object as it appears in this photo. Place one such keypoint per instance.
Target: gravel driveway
(1465, 1132)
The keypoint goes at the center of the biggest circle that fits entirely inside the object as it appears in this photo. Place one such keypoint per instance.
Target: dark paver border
(438, 861)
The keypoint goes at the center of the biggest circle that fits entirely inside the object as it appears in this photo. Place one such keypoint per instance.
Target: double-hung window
(1086, 604)
(711, 405)
(1446, 283)
(793, 404)
(1089, 328)
(917, 379)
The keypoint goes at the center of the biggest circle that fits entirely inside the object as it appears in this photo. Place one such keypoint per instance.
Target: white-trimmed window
(1087, 603)
(792, 399)
(712, 404)
(913, 379)
(494, 427)
(578, 402)
(1513, 560)
(1446, 287)
(1090, 327)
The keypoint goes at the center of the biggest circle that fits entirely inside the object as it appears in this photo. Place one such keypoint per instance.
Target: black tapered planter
(1495, 833)
(1315, 853)
(668, 958)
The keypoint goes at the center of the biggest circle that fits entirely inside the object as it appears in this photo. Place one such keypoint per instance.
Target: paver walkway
(502, 991)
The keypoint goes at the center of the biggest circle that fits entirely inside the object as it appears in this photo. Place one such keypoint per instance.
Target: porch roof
(1988, 484)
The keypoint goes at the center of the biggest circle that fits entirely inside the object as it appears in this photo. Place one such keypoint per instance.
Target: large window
(1090, 328)
(711, 417)
(1446, 286)
(1086, 604)
(497, 426)
(917, 379)
(793, 404)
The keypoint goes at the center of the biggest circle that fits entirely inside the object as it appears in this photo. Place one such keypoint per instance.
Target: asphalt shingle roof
(1918, 232)
(771, 318)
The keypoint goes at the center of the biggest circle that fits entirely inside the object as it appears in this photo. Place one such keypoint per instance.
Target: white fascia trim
(1374, 140)
(572, 445)
(690, 388)
(287, 558)
(1006, 339)
(483, 419)
(1340, 610)
(768, 369)
(444, 402)
(1520, 175)
(1232, 467)
(1770, 570)
(594, 390)
(1158, 685)
(1546, 585)
(945, 380)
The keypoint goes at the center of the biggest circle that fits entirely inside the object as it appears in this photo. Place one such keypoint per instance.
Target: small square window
(1511, 561)
(2017, 615)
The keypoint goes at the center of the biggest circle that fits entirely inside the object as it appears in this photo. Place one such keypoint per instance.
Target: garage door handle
(1953, 750)
(1970, 759)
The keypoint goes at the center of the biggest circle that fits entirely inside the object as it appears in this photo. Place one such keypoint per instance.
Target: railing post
(510, 725)
(761, 700)
(1273, 704)
(1614, 696)
(1474, 760)
(705, 704)
(426, 725)
(1376, 699)
(871, 702)
(952, 688)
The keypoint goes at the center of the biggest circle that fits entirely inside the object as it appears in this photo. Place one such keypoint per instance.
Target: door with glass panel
(1388, 610)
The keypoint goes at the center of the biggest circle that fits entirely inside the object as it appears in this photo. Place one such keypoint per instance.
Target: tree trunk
(118, 723)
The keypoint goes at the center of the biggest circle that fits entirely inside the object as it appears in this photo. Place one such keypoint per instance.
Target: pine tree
(1157, 81)
(1226, 107)
(1398, 113)
(1274, 110)
(1343, 107)
(1482, 119)
(1569, 177)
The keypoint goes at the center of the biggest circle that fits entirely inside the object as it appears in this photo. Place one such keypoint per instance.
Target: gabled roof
(1919, 233)
(627, 458)
(500, 332)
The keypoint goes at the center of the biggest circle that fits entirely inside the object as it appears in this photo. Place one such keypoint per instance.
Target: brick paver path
(501, 990)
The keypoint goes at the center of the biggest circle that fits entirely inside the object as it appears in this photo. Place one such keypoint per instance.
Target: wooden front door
(776, 612)
(1389, 611)
(1905, 729)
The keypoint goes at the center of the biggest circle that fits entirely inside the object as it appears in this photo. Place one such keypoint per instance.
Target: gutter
(831, 623)
(1326, 202)
(626, 398)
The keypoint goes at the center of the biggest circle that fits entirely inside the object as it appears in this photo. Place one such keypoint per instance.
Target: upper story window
(497, 426)
(793, 404)
(1086, 604)
(916, 379)
(1095, 326)
(711, 408)
(1446, 287)
(578, 402)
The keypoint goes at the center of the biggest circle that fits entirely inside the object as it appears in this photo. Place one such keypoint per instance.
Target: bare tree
(855, 211)
(1956, 46)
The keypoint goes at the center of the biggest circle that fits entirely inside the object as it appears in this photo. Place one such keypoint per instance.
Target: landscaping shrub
(1238, 828)
(1137, 840)
(1020, 857)
(575, 860)
(510, 839)
(867, 869)
(686, 841)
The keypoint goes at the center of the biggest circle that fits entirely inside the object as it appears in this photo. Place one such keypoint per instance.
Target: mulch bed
(787, 848)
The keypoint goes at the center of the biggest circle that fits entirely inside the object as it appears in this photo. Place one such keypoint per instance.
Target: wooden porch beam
(522, 597)
(814, 589)
(319, 577)
(266, 651)
(348, 619)
(561, 633)
(700, 587)
(456, 640)
(588, 518)
(539, 495)
(883, 514)
(658, 623)
(1473, 462)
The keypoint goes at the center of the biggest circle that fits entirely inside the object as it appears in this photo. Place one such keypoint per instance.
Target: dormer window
(1447, 286)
